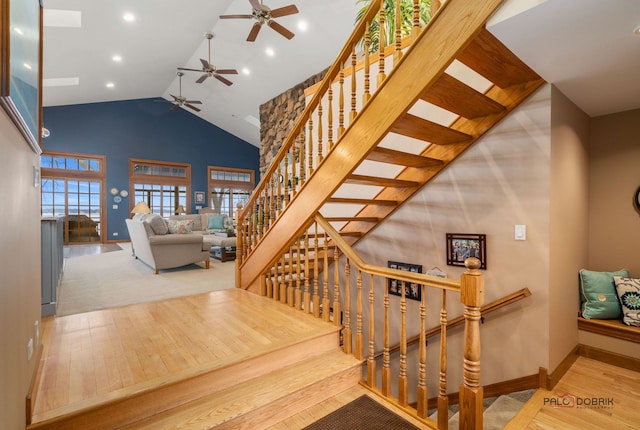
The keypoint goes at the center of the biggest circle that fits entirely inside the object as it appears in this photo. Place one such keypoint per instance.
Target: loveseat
(154, 245)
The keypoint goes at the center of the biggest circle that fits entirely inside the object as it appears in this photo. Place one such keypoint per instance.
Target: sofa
(216, 229)
(153, 243)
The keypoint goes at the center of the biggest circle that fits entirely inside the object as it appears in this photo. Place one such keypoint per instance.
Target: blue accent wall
(148, 130)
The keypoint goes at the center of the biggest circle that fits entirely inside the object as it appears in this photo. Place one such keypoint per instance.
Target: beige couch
(162, 250)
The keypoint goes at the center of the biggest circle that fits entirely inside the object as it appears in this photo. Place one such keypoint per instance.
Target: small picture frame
(412, 290)
(198, 196)
(462, 246)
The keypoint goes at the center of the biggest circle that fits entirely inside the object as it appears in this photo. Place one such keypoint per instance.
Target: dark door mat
(363, 413)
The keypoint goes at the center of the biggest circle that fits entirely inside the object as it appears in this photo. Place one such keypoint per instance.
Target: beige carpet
(116, 278)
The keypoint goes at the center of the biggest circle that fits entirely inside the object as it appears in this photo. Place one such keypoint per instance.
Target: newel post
(239, 239)
(472, 297)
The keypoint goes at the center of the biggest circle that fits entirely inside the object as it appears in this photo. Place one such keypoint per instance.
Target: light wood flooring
(616, 392)
(92, 357)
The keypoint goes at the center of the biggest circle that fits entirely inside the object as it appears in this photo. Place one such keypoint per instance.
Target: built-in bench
(611, 328)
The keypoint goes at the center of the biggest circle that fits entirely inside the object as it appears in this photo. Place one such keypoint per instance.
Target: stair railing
(344, 91)
(351, 293)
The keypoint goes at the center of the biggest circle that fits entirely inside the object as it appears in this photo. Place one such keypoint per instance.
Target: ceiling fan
(262, 14)
(210, 70)
(180, 101)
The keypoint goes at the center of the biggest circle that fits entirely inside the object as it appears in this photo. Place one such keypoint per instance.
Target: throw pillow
(158, 225)
(629, 292)
(180, 226)
(598, 296)
(216, 222)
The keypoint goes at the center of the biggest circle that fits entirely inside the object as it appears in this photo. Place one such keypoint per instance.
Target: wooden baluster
(239, 244)
(275, 294)
(346, 346)
(282, 294)
(371, 361)
(415, 29)
(310, 149)
(279, 199)
(285, 181)
(316, 296)
(386, 361)
(423, 397)
(252, 229)
(471, 393)
(326, 300)
(403, 382)
(298, 298)
(337, 310)
(397, 54)
(330, 120)
(263, 284)
(303, 173)
(307, 262)
(320, 149)
(359, 337)
(443, 399)
(354, 88)
(294, 175)
(290, 290)
(382, 38)
(311, 144)
(367, 66)
(341, 105)
(273, 202)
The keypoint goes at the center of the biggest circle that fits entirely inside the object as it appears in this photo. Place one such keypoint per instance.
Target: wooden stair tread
(422, 129)
(221, 408)
(391, 156)
(352, 218)
(356, 201)
(381, 182)
(490, 58)
(459, 98)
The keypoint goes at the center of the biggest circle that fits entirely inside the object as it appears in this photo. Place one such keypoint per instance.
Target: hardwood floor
(95, 357)
(596, 395)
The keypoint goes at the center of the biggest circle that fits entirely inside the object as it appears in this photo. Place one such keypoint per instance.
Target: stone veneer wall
(277, 117)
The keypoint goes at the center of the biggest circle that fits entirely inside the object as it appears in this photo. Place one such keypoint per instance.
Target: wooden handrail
(401, 275)
(484, 310)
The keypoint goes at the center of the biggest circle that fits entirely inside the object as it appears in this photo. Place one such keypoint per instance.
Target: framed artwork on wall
(412, 290)
(21, 72)
(199, 198)
(462, 246)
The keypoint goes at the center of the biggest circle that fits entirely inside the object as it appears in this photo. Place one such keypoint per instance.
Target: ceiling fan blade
(202, 78)
(193, 102)
(191, 70)
(192, 107)
(235, 16)
(254, 32)
(284, 11)
(174, 97)
(206, 64)
(223, 80)
(227, 71)
(280, 29)
(255, 4)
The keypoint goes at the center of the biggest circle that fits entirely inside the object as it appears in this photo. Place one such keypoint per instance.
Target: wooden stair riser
(163, 397)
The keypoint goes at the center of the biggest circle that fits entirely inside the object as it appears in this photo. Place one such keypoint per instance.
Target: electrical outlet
(29, 349)
(115, 233)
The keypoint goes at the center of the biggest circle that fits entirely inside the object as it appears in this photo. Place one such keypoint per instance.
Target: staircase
(450, 86)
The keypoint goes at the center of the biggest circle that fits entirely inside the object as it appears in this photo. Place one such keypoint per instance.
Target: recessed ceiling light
(246, 71)
(116, 58)
(129, 17)
(302, 25)
(27, 66)
(110, 85)
(270, 52)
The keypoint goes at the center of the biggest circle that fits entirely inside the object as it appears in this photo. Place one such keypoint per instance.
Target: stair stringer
(448, 34)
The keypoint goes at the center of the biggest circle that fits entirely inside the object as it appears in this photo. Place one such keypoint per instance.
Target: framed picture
(21, 71)
(462, 246)
(199, 197)
(412, 290)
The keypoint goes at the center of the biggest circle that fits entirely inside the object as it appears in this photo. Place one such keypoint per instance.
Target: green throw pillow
(216, 222)
(598, 296)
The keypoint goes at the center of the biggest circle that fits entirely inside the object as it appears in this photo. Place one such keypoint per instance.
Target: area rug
(363, 413)
(102, 281)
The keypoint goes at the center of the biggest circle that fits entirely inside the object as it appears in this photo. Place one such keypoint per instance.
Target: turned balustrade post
(471, 393)
(239, 243)
(347, 345)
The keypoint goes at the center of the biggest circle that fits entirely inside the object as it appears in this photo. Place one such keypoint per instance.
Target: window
(228, 187)
(71, 187)
(163, 186)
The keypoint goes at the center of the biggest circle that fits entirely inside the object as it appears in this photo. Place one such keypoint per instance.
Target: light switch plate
(521, 232)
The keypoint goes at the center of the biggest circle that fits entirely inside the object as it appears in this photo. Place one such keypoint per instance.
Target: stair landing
(136, 361)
